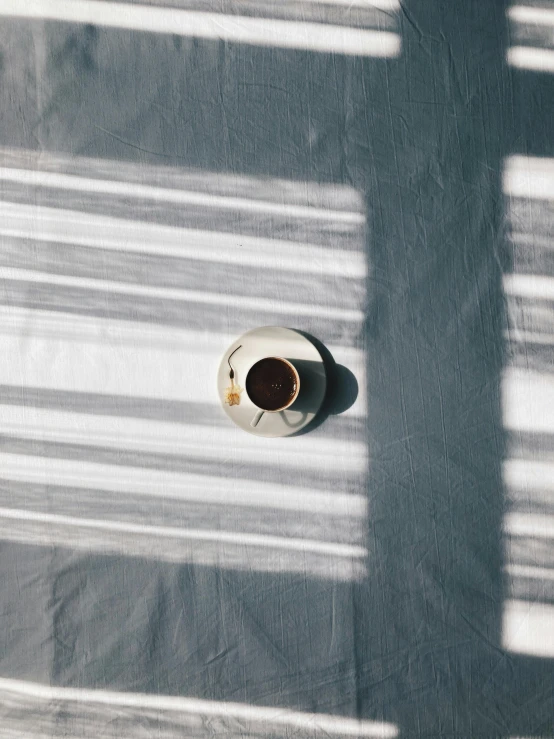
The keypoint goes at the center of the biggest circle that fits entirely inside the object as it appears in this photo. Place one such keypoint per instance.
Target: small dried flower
(232, 394)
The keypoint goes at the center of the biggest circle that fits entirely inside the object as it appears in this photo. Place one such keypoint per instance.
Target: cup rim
(295, 396)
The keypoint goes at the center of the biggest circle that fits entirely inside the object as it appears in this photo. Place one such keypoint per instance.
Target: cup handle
(255, 421)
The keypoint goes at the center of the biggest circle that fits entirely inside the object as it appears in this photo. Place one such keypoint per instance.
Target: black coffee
(270, 384)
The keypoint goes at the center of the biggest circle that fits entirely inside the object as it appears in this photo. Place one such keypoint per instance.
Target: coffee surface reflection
(271, 383)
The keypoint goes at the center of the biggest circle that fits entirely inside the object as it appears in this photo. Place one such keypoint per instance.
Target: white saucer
(274, 341)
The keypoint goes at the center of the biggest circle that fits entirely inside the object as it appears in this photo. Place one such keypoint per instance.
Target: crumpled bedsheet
(379, 175)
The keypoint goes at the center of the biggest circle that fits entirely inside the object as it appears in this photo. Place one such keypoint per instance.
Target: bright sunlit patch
(180, 710)
(528, 391)
(125, 235)
(37, 324)
(534, 573)
(529, 177)
(537, 337)
(528, 628)
(317, 37)
(530, 476)
(531, 15)
(528, 57)
(530, 239)
(535, 287)
(528, 401)
(536, 25)
(537, 525)
(138, 479)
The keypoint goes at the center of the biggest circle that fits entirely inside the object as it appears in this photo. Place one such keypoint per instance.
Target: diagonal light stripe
(233, 551)
(529, 177)
(231, 28)
(169, 532)
(114, 287)
(532, 573)
(124, 235)
(177, 439)
(166, 511)
(531, 15)
(179, 486)
(529, 475)
(518, 334)
(392, 5)
(536, 287)
(531, 239)
(75, 183)
(35, 323)
(269, 718)
(528, 57)
(274, 191)
(536, 525)
(38, 324)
